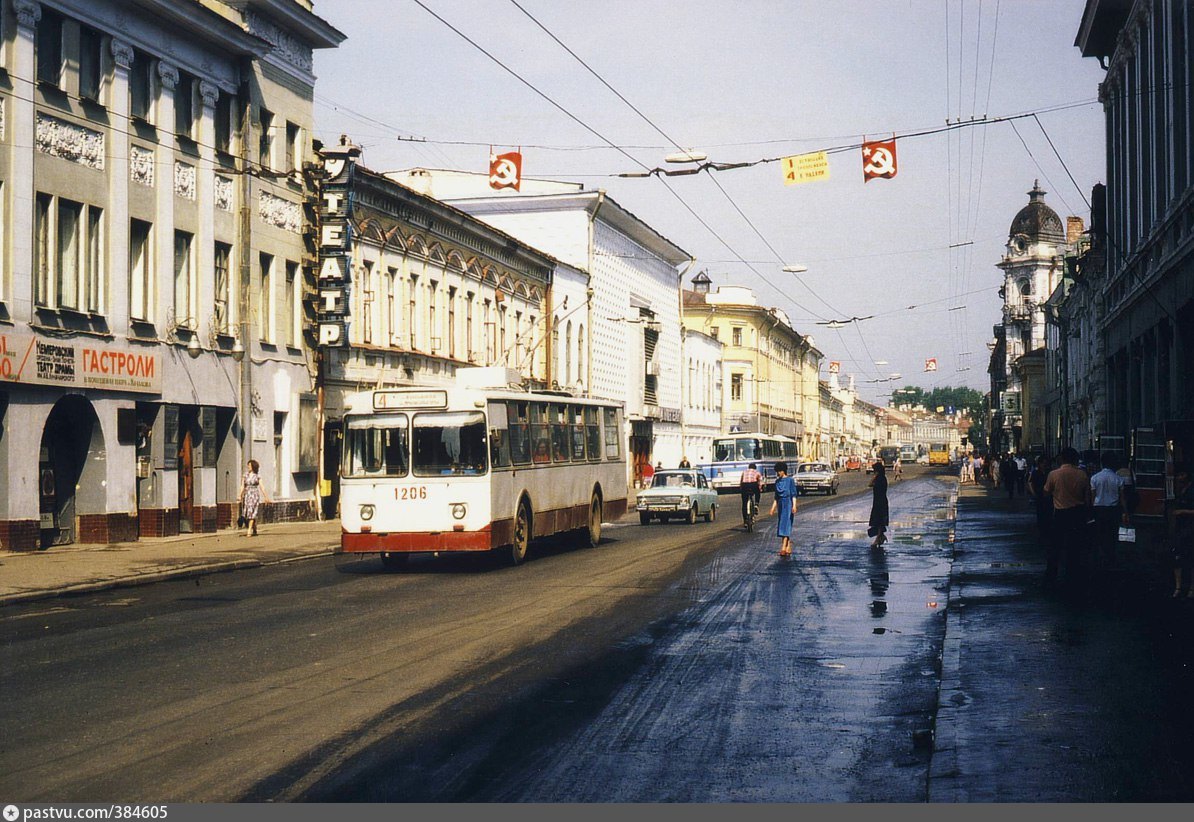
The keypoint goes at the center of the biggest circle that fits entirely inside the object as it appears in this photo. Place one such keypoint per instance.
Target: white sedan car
(680, 493)
(816, 476)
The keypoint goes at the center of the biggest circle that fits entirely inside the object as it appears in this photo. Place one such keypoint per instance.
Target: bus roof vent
(492, 376)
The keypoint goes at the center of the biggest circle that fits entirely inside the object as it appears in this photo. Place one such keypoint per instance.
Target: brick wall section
(205, 519)
(286, 511)
(105, 528)
(20, 535)
(226, 513)
(159, 522)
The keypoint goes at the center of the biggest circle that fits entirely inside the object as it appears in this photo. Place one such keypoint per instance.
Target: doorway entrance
(71, 464)
(188, 421)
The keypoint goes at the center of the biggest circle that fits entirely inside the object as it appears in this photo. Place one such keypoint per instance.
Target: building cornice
(308, 26)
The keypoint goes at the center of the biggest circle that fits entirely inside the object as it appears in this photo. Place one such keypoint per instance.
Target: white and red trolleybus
(476, 469)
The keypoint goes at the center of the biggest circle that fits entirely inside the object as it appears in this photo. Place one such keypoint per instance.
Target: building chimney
(1074, 226)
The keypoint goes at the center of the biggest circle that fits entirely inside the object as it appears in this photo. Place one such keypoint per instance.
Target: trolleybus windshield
(449, 442)
(376, 446)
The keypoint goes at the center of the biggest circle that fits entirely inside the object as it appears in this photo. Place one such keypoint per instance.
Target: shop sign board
(33, 360)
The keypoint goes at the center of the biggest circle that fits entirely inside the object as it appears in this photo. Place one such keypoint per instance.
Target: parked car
(816, 476)
(677, 493)
(854, 463)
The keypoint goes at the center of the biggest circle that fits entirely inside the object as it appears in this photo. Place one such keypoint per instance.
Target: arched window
(581, 376)
(555, 348)
(1025, 288)
(568, 354)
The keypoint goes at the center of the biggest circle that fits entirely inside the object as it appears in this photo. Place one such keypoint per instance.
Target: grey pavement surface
(78, 569)
(1060, 696)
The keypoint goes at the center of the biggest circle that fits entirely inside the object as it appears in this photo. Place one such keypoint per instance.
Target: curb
(150, 578)
(943, 761)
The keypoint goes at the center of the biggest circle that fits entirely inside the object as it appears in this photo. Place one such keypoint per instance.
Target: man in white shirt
(1110, 507)
(1021, 474)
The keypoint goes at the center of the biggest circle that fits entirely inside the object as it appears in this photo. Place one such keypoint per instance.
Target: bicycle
(752, 511)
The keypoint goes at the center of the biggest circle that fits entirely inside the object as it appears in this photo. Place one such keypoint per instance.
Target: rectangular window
(576, 415)
(593, 433)
(433, 332)
(184, 313)
(448, 443)
(499, 435)
(140, 270)
(518, 420)
(94, 284)
(613, 438)
(265, 143)
(540, 434)
(290, 307)
(184, 106)
(452, 323)
(560, 432)
(736, 387)
(222, 269)
(392, 306)
(41, 249)
(736, 335)
(367, 304)
(91, 64)
(412, 312)
(267, 297)
(225, 106)
(377, 446)
(49, 48)
(294, 148)
(141, 87)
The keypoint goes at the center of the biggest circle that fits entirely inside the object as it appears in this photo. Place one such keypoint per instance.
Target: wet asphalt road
(809, 679)
(672, 662)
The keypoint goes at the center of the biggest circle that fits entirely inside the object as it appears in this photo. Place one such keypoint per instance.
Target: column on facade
(164, 316)
(118, 187)
(19, 500)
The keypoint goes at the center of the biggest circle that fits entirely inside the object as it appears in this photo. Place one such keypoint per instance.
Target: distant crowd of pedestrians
(1080, 509)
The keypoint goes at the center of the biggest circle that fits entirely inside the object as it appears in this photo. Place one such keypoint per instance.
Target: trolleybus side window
(540, 433)
(499, 435)
(518, 420)
(593, 431)
(449, 442)
(577, 416)
(613, 437)
(376, 446)
(559, 432)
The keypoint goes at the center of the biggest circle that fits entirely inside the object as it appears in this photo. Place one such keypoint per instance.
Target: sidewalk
(74, 569)
(1051, 697)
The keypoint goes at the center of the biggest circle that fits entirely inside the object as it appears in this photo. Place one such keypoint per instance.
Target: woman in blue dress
(785, 504)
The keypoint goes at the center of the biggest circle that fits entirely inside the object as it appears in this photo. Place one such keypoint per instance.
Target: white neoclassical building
(631, 325)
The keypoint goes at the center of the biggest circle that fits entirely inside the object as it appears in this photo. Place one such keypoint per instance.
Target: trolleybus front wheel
(522, 534)
(595, 512)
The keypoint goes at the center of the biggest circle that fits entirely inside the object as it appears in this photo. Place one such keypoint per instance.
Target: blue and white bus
(734, 452)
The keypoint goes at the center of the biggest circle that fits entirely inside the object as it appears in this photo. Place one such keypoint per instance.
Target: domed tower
(1032, 265)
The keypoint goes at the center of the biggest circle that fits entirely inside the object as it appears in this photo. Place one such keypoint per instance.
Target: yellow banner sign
(805, 168)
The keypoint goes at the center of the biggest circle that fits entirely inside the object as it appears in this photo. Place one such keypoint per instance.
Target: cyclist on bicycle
(750, 486)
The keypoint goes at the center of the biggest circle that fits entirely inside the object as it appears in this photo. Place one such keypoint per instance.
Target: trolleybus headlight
(459, 509)
(366, 512)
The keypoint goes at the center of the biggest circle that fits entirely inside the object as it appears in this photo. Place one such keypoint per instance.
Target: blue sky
(746, 81)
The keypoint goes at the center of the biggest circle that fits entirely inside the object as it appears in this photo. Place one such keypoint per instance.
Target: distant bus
(889, 454)
(938, 454)
(476, 469)
(734, 452)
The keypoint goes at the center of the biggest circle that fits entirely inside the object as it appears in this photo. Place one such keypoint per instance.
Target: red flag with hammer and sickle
(505, 170)
(879, 159)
